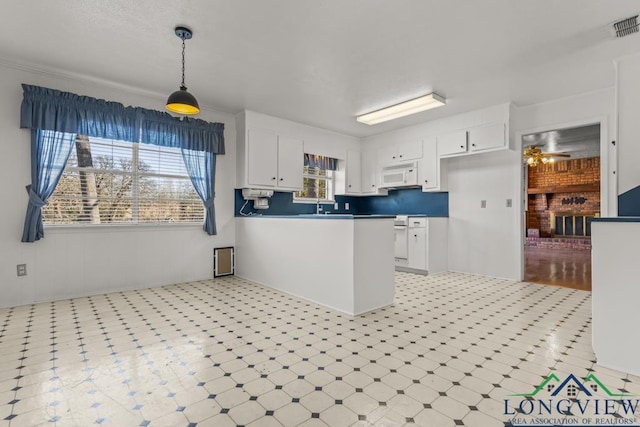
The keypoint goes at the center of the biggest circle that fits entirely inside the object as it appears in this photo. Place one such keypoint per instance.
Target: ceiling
(324, 62)
(578, 142)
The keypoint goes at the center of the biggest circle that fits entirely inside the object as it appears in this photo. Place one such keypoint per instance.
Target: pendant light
(181, 101)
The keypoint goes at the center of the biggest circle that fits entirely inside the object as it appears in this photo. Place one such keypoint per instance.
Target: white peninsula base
(340, 261)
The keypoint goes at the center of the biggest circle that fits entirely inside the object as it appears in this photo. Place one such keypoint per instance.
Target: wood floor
(559, 267)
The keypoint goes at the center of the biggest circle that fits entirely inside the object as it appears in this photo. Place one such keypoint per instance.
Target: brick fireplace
(562, 198)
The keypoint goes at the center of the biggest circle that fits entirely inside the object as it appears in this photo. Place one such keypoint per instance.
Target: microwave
(400, 175)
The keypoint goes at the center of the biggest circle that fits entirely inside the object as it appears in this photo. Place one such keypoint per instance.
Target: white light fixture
(402, 109)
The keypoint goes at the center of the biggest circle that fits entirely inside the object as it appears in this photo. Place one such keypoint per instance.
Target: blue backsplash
(404, 201)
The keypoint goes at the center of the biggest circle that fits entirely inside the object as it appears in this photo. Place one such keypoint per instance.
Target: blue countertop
(321, 216)
(617, 219)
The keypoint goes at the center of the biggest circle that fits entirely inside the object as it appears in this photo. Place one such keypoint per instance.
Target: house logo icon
(584, 401)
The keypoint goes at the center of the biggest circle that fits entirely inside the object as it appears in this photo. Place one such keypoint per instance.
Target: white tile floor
(229, 352)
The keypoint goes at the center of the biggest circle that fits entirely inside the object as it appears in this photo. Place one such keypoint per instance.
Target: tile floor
(229, 352)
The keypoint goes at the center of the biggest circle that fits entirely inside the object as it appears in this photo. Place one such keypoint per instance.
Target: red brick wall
(561, 174)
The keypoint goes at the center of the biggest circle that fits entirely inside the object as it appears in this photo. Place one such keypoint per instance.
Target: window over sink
(317, 186)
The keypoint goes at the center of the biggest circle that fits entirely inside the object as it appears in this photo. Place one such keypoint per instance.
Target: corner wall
(72, 262)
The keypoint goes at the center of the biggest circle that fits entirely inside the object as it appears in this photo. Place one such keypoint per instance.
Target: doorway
(562, 185)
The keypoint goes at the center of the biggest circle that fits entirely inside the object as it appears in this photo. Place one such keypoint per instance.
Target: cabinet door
(428, 169)
(290, 163)
(417, 256)
(487, 137)
(388, 154)
(410, 150)
(262, 154)
(369, 172)
(353, 172)
(452, 143)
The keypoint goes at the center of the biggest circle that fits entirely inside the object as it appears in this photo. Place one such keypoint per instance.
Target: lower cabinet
(426, 246)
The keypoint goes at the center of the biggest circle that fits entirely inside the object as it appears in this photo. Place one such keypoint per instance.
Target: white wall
(75, 262)
(628, 125)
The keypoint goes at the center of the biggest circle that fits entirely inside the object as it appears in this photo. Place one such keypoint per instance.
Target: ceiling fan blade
(556, 155)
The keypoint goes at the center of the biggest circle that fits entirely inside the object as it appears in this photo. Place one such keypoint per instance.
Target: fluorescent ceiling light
(406, 108)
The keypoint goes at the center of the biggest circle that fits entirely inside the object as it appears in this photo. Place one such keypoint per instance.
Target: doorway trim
(608, 177)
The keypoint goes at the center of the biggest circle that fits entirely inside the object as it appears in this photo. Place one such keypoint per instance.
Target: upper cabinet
(429, 176)
(274, 161)
(353, 172)
(369, 183)
(267, 158)
(487, 137)
(476, 139)
(452, 143)
(407, 150)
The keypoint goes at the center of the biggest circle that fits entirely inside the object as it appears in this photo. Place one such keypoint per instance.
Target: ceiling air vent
(626, 26)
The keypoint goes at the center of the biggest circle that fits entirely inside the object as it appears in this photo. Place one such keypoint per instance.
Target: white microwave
(401, 175)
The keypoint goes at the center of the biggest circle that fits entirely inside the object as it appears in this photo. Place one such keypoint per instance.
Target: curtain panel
(51, 109)
(56, 117)
(322, 162)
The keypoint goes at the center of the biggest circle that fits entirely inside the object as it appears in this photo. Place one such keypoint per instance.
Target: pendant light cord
(183, 86)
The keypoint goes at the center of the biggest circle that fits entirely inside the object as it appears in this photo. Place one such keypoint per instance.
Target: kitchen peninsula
(345, 262)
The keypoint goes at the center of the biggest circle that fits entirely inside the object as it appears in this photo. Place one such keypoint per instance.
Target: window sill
(107, 228)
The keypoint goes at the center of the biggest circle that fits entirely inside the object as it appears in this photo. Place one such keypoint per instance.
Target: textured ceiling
(323, 62)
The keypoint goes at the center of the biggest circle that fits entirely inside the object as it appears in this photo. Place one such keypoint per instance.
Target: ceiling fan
(534, 156)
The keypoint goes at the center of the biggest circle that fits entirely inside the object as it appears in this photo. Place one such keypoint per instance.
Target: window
(118, 182)
(317, 186)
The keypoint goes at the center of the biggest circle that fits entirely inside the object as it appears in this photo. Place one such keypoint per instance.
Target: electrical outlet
(346, 205)
(483, 204)
(21, 269)
(335, 206)
(509, 203)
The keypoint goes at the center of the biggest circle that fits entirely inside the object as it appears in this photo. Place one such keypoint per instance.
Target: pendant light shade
(181, 101)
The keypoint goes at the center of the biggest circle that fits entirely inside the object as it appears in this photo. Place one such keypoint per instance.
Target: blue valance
(54, 110)
(322, 162)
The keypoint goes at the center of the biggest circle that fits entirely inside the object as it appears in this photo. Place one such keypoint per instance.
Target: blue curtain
(201, 166)
(49, 153)
(322, 162)
(50, 109)
(58, 116)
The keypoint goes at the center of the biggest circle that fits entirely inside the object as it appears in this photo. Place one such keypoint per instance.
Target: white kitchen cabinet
(417, 244)
(452, 143)
(426, 246)
(487, 137)
(368, 166)
(399, 152)
(273, 160)
(429, 166)
(353, 173)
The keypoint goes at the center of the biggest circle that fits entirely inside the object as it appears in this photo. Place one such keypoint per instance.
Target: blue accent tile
(144, 423)
(137, 407)
(54, 403)
(201, 384)
(14, 401)
(101, 420)
(54, 419)
(131, 393)
(171, 395)
(164, 382)
(92, 391)
(126, 381)
(411, 201)
(192, 424)
(96, 405)
(10, 417)
(629, 202)
(181, 408)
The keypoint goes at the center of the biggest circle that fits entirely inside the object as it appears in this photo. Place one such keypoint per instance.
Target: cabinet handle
(415, 235)
(393, 157)
(273, 178)
(400, 155)
(473, 145)
(373, 185)
(349, 185)
(281, 179)
(462, 146)
(426, 180)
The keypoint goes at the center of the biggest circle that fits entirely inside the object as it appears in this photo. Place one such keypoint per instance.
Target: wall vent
(626, 26)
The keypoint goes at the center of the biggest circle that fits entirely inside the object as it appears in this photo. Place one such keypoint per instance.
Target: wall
(627, 94)
(71, 262)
